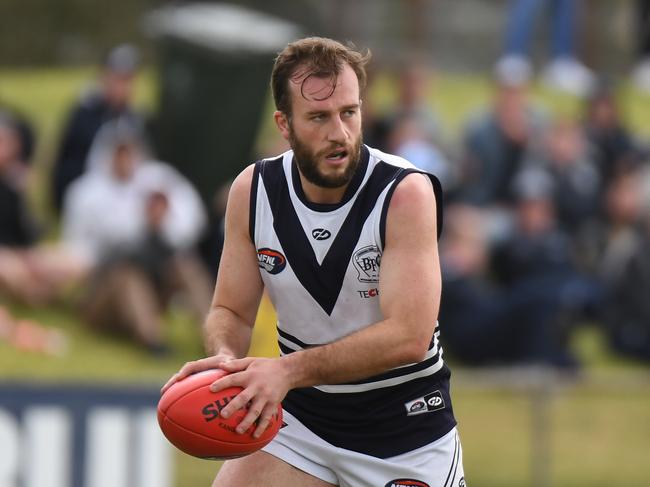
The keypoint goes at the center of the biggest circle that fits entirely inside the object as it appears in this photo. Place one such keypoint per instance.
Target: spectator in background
(135, 222)
(18, 230)
(31, 273)
(486, 323)
(616, 237)
(617, 249)
(614, 143)
(537, 256)
(408, 140)
(110, 99)
(497, 141)
(24, 128)
(412, 103)
(535, 249)
(411, 128)
(17, 226)
(627, 315)
(565, 72)
(567, 158)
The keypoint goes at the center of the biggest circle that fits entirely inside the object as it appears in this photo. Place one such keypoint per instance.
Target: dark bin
(214, 66)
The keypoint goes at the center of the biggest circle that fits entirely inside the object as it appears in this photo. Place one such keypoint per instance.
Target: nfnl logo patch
(427, 404)
(406, 483)
(366, 261)
(271, 260)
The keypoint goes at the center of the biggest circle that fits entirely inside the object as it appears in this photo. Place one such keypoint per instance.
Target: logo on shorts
(321, 234)
(462, 482)
(426, 404)
(271, 260)
(366, 261)
(406, 483)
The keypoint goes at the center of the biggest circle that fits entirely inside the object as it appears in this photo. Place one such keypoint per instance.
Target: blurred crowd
(547, 218)
(129, 224)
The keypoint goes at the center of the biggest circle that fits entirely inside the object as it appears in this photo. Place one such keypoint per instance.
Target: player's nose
(337, 131)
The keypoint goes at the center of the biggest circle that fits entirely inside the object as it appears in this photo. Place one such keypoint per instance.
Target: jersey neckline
(350, 191)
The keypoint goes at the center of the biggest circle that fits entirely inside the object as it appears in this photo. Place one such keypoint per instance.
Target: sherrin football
(188, 414)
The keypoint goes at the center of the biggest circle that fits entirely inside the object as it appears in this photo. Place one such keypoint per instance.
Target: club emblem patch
(366, 261)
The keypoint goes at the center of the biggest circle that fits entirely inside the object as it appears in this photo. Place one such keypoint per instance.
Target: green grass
(598, 430)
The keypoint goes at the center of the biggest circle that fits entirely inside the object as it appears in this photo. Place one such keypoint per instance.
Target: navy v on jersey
(321, 267)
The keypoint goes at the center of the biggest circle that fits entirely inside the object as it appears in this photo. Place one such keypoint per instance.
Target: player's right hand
(214, 362)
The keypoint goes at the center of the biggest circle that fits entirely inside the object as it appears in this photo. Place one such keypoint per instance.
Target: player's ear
(282, 122)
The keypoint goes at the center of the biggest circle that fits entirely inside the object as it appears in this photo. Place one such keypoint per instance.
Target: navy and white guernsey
(320, 265)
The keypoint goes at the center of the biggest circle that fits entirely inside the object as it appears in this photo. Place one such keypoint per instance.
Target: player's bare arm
(229, 323)
(410, 290)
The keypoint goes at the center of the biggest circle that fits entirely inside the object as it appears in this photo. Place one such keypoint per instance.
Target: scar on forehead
(315, 86)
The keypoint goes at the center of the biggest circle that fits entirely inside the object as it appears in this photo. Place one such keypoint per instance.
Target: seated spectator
(627, 315)
(616, 148)
(567, 157)
(535, 247)
(487, 324)
(30, 273)
(606, 244)
(617, 250)
(109, 100)
(408, 141)
(26, 132)
(538, 254)
(17, 226)
(497, 142)
(135, 223)
(412, 105)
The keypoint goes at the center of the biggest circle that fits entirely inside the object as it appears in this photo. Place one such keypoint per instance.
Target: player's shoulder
(240, 189)
(414, 192)
(392, 159)
(241, 186)
(413, 186)
(413, 205)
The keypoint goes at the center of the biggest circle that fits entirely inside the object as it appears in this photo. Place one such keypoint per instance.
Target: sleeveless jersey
(321, 267)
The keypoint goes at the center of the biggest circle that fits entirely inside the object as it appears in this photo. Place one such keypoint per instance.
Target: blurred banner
(81, 436)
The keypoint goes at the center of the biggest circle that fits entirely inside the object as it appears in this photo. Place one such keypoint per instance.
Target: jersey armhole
(252, 211)
(437, 191)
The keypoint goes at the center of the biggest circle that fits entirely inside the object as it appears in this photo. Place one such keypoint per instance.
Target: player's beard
(307, 161)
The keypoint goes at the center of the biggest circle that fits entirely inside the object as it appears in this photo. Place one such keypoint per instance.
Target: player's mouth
(337, 156)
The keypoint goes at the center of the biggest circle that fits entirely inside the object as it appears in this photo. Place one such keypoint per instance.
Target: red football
(188, 414)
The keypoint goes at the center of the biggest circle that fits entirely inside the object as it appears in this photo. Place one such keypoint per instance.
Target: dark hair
(314, 56)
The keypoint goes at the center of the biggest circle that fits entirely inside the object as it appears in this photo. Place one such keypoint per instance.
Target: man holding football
(344, 239)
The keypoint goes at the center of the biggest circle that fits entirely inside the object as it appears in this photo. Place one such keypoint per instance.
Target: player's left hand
(265, 382)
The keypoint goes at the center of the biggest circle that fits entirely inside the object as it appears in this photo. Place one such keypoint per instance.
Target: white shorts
(439, 464)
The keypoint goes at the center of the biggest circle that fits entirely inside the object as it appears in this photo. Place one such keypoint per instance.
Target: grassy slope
(600, 435)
